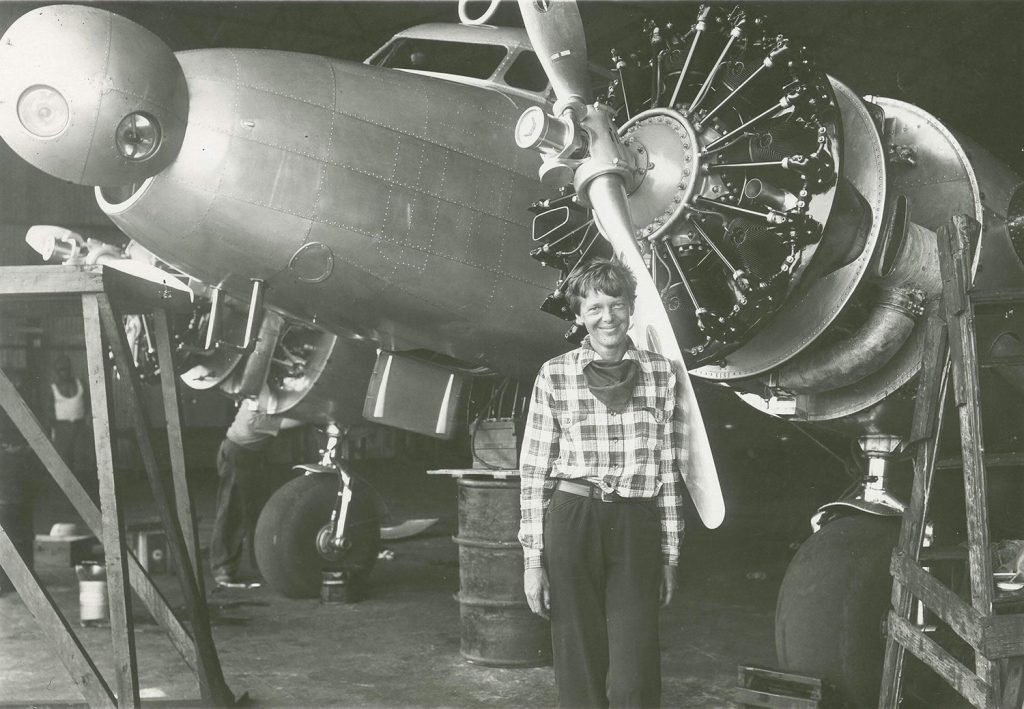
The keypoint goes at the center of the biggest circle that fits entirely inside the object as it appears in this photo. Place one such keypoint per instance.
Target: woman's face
(606, 318)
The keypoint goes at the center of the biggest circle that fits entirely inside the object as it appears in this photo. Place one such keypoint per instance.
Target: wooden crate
(495, 445)
(764, 687)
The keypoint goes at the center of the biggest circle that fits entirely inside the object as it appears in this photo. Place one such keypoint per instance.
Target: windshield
(476, 61)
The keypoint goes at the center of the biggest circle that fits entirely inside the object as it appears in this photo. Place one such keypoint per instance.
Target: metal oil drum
(497, 627)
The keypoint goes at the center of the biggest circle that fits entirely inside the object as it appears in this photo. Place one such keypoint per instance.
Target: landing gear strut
(319, 528)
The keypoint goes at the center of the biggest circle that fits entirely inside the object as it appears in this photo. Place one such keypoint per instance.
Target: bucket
(498, 628)
(92, 593)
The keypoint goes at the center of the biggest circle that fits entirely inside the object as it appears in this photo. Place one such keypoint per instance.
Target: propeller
(581, 143)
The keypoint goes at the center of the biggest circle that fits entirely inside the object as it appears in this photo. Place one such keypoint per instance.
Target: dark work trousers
(240, 497)
(604, 562)
(66, 435)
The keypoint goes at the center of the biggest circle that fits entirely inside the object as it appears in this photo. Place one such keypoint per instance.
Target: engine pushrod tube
(700, 27)
(732, 94)
(767, 216)
(703, 93)
(682, 277)
(713, 145)
(714, 247)
(745, 165)
(767, 63)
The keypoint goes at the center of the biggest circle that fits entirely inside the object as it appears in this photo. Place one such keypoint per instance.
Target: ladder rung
(936, 554)
(970, 686)
(1007, 296)
(992, 460)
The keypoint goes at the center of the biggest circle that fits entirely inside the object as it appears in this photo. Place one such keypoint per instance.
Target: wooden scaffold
(105, 296)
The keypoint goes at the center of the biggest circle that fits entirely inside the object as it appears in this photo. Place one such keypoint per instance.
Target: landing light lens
(43, 111)
(138, 136)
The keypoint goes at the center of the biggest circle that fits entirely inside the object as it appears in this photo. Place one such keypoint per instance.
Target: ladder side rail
(954, 262)
(932, 386)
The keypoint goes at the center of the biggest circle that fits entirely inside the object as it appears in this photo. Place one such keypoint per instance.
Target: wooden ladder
(950, 348)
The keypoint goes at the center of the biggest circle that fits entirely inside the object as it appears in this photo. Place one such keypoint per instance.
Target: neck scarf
(612, 382)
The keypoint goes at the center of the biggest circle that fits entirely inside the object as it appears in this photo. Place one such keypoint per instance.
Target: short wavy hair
(602, 275)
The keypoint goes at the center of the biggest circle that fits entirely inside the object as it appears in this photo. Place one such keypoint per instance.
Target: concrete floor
(400, 647)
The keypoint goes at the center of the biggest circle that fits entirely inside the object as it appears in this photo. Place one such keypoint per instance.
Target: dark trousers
(240, 497)
(604, 563)
(65, 439)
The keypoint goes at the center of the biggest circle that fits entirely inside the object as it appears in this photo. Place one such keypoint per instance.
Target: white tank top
(69, 408)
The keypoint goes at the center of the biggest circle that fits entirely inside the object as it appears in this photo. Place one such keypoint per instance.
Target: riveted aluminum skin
(105, 68)
(411, 186)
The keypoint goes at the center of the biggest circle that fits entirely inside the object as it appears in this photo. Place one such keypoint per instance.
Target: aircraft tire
(286, 537)
(832, 604)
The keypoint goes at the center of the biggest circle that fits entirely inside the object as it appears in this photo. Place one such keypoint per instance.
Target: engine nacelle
(790, 224)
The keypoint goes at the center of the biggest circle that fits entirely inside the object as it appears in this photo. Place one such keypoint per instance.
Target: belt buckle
(607, 496)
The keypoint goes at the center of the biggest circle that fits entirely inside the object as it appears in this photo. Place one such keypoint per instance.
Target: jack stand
(335, 587)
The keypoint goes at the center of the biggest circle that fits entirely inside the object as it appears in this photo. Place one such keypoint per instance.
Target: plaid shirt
(571, 434)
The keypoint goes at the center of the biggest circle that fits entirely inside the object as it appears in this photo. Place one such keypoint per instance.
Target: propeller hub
(668, 154)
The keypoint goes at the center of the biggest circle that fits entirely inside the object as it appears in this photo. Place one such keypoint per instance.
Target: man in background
(242, 491)
(70, 410)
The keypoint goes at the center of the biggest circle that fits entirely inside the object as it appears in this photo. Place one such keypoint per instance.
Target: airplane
(369, 257)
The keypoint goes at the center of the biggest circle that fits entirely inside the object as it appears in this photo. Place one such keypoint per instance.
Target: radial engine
(788, 223)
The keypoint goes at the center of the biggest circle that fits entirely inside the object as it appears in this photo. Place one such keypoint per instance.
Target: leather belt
(593, 492)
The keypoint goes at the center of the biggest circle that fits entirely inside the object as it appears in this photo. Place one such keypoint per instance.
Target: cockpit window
(476, 61)
(526, 73)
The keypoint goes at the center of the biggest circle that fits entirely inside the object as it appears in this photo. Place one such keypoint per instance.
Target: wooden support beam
(83, 670)
(964, 620)
(932, 386)
(176, 446)
(51, 280)
(954, 264)
(970, 686)
(122, 624)
(212, 686)
(1002, 636)
(32, 431)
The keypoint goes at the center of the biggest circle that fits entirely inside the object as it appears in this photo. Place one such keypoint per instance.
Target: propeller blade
(556, 33)
(651, 329)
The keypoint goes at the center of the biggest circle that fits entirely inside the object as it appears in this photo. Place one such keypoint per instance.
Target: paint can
(92, 594)
(334, 587)
(498, 628)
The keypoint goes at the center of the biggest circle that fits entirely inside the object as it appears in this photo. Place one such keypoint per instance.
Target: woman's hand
(668, 584)
(538, 595)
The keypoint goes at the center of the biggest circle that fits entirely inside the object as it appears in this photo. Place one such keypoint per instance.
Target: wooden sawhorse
(105, 295)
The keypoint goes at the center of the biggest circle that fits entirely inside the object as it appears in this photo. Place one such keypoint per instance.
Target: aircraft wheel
(833, 603)
(291, 529)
